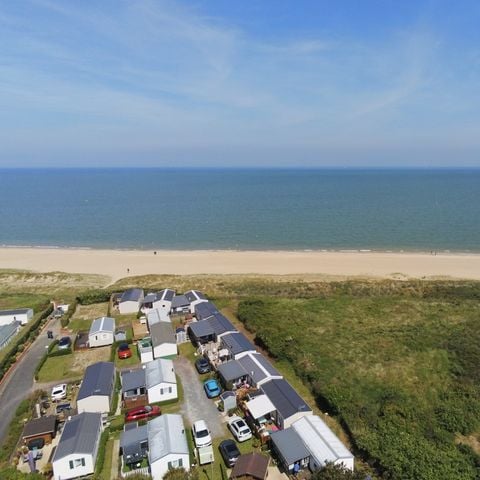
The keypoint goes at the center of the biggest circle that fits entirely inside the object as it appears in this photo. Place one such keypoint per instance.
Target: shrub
(94, 296)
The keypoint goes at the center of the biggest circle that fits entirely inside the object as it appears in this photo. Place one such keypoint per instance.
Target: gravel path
(196, 405)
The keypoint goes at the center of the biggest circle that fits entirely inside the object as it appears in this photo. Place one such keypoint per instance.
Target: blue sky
(240, 83)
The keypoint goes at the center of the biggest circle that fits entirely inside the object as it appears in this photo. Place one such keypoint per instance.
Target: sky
(240, 83)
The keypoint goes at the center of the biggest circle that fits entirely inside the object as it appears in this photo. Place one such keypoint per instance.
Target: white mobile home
(195, 297)
(102, 332)
(160, 300)
(22, 315)
(168, 446)
(130, 301)
(160, 380)
(7, 332)
(97, 389)
(164, 342)
(324, 446)
(77, 449)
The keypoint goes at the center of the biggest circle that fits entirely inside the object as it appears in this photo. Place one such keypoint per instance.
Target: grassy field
(84, 315)
(398, 365)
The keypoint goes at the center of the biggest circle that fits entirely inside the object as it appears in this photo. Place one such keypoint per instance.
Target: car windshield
(148, 408)
(202, 433)
(124, 346)
(241, 424)
(231, 448)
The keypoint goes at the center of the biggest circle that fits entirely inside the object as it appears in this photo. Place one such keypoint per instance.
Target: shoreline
(329, 263)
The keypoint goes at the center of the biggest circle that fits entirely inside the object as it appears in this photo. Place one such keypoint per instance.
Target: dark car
(36, 444)
(140, 413)
(202, 365)
(229, 452)
(64, 343)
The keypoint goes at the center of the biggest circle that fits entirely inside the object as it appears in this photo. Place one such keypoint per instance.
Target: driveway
(19, 382)
(196, 405)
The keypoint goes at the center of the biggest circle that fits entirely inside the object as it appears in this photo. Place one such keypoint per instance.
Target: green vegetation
(82, 319)
(58, 368)
(397, 362)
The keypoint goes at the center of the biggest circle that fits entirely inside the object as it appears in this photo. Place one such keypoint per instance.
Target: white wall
(155, 393)
(288, 422)
(128, 307)
(165, 350)
(100, 339)
(62, 470)
(160, 467)
(94, 403)
(22, 318)
(146, 357)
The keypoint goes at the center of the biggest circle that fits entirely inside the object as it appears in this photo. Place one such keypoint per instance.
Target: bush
(94, 296)
(101, 451)
(65, 320)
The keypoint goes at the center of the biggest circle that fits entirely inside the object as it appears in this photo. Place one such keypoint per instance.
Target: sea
(242, 209)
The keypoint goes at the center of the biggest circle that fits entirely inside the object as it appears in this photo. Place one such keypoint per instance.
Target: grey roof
(134, 435)
(162, 332)
(201, 329)
(98, 380)
(133, 379)
(193, 295)
(81, 434)
(237, 343)
(159, 371)
(286, 400)
(6, 331)
(166, 434)
(132, 295)
(39, 426)
(258, 367)
(180, 301)
(289, 445)
(167, 294)
(205, 309)
(102, 324)
(231, 370)
(16, 311)
(151, 297)
(221, 324)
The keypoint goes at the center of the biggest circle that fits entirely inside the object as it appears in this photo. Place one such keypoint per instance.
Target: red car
(140, 413)
(124, 351)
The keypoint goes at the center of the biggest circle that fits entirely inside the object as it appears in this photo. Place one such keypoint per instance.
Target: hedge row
(94, 296)
(65, 320)
(29, 334)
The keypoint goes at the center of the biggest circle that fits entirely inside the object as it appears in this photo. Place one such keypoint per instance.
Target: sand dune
(115, 263)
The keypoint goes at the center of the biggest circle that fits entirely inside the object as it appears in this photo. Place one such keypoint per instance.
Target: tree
(337, 472)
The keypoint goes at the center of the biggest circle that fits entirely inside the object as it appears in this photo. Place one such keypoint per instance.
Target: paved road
(196, 405)
(19, 383)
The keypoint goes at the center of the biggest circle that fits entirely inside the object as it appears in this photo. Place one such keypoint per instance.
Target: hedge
(101, 451)
(65, 320)
(94, 296)
(30, 333)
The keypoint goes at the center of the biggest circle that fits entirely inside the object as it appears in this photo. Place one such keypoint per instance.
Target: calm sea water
(242, 209)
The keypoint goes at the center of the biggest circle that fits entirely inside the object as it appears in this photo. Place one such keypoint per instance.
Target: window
(78, 462)
(161, 391)
(169, 389)
(175, 464)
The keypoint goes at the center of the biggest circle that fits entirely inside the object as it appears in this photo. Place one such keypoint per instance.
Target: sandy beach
(121, 263)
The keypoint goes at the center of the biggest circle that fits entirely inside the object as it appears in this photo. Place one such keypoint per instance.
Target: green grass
(84, 315)
(58, 368)
(399, 371)
(106, 473)
(133, 361)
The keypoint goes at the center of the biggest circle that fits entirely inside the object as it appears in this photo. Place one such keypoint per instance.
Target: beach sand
(122, 263)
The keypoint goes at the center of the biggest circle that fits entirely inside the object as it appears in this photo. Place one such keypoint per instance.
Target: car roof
(200, 424)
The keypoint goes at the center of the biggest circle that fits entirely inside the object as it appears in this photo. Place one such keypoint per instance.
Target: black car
(229, 451)
(36, 444)
(64, 343)
(202, 365)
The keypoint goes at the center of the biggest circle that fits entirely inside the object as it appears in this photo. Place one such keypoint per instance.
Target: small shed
(251, 466)
(145, 349)
(290, 450)
(229, 400)
(102, 332)
(43, 427)
(120, 336)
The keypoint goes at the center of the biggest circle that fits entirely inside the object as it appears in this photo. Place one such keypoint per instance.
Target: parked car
(229, 452)
(64, 343)
(36, 444)
(140, 413)
(201, 434)
(202, 365)
(212, 389)
(239, 428)
(59, 392)
(124, 351)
